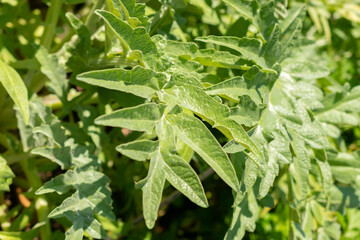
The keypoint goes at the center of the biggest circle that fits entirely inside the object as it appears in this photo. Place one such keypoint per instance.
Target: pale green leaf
(92, 196)
(221, 59)
(138, 81)
(53, 131)
(198, 101)
(244, 217)
(247, 8)
(195, 134)
(246, 112)
(140, 118)
(133, 12)
(135, 39)
(341, 108)
(326, 175)
(248, 47)
(301, 167)
(16, 88)
(206, 57)
(61, 156)
(180, 174)
(79, 212)
(152, 187)
(56, 73)
(345, 167)
(305, 70)
(74, 234)
(82, 31)
(138, 150)
(273, 49)
(233, 88)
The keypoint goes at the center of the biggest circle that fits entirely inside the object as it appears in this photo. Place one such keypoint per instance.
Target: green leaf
(278, 151)
(291, 28)
(301, 168)
(134, 39)
(326, 175)
(195, 99)
(341, 108)
(83, 33)
(305, 70)
(273, 48)
(79, 212)
(140, 150)
(6, 175)
(87, 115)
(198, 101)
(195, 134)
(133, 12)
(221, 59)
(92, 196)
(248, 47)
(345, 167)
(246, 8)
(138, 81)
(206, 57)
(140, 118)
(56, 73)
(53, 131)
(233, 88)
(152, 187)
(244, 217)
(179, 172)
(61, 156)
(16, 88)
(246, 112)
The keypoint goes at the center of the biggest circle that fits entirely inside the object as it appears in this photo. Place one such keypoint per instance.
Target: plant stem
(51, 20)
(34, 79)
(41, 204)
(90, 21)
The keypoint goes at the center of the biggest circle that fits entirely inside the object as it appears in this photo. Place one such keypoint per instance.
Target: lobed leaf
(179, 172)
(91, 197)
(54, 72)
(248, 47)
(132, 38)
(194, 133)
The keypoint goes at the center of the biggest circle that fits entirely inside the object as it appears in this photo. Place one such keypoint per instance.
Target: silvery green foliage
(278, 122)
(46, 137)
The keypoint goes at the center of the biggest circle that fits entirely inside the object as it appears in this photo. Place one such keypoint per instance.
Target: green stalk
(41, 204)
(2, 95)
(90, 21)
(37, 82)
(34, 79)
(51, 20)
